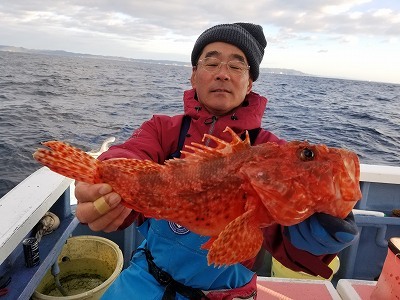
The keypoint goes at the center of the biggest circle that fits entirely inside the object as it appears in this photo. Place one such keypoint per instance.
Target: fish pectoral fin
(239, 241)
(207, 245)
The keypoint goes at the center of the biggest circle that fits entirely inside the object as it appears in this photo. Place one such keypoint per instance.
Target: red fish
(228, 192)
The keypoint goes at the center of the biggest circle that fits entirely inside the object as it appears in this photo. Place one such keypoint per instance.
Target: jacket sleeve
(276, 243)
(155, 140)
(267, 136)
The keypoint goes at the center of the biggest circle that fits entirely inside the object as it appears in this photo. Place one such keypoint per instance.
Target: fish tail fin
(69, 161)
(239, 241)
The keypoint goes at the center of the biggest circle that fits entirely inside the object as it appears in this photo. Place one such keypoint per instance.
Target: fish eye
(307, 154)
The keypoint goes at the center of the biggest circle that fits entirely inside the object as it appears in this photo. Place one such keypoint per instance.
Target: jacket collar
(250, 113)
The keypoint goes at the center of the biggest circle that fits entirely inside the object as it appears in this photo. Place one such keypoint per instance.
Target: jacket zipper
(212, 126)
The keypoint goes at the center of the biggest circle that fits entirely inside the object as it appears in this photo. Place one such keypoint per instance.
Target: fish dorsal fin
(133, 166)
(223, 148)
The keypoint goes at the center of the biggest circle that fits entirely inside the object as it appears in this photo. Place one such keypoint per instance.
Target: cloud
(153, 18)
(146, 29)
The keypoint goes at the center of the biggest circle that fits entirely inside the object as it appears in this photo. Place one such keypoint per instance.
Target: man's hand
(99, 207)
(323, 234)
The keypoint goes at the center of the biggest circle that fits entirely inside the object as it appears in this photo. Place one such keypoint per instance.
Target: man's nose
(223, 72)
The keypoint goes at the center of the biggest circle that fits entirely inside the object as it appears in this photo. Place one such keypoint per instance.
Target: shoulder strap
(253, 133)
(184, 129)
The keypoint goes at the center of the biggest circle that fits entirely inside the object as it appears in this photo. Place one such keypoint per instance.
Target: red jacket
(157, 138)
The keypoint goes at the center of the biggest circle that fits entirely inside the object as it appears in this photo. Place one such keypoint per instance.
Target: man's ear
(250, 86)
(193, 77)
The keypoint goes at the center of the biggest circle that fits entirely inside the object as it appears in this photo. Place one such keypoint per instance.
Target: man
(170, 264)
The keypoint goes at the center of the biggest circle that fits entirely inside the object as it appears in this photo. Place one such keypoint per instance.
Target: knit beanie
(246, 36)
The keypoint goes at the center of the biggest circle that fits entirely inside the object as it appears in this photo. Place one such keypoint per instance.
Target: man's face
(221, 90)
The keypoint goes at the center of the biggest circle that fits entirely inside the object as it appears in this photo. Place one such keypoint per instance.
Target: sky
(353, 39)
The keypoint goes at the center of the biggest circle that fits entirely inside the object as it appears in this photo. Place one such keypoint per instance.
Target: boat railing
(377, 218)
(21, 209)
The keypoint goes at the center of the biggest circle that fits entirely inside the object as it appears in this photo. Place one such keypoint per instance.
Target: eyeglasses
(213, 64)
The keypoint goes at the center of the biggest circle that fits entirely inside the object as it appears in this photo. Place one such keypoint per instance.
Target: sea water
(85, 100)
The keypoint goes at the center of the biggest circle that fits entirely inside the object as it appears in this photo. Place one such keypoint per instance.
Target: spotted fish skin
(228, 192)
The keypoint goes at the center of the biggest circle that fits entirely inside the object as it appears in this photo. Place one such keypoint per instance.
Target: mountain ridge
(161, 61)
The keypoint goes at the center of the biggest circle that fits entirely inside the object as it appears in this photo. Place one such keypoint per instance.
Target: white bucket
(88, 265)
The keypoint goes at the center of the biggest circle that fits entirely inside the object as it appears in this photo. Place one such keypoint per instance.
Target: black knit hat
(246, 36)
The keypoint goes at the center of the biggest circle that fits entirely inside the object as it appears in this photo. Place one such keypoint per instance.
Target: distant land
(166, 62)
